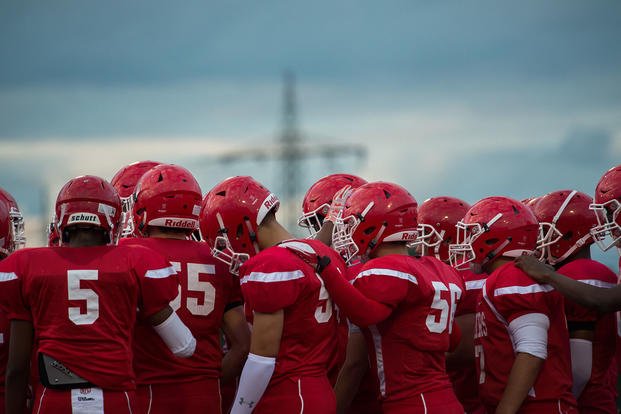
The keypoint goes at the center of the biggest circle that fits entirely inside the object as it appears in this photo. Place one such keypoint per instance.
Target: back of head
(88, 201)
(437, 220)
(231, 214)
(18, 234)
(492, 228)
(166, 196)
(565, 222)
(375, 213)
(319, 197)
(607, 206)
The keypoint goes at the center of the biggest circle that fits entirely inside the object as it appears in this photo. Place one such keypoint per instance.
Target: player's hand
(338, 204)
(537, 270)
(307, 254)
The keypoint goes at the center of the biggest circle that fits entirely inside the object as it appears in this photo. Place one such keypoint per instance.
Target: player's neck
(489, 268)
(385, 249)
(272, 233)
(165, 234)
(584, 253)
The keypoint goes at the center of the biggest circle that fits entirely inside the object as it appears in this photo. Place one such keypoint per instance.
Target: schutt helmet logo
(83, 218)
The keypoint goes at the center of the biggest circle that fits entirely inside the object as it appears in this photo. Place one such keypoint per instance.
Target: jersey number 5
(75, 292)
(438, 322)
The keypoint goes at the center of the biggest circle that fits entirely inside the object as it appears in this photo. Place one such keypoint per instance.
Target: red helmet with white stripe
(565, 222)
(437, 220)
(375, 213)
(607, 207)
(319, 196)
(230, 217)
(166, 196)
(494, 227)
(89, 201)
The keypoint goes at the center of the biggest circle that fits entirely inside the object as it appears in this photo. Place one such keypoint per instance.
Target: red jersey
(4, 348)
(464, 377)
(206, 291)
(82, 303)
(277, 279)
(407, 350)
(509, 293)
(600, 392)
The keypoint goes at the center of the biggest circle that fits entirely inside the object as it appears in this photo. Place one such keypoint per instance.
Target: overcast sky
(468, 99)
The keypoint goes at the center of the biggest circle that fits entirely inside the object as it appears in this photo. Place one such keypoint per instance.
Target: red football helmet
(18, 233)
(375, 213)
(565, 223)
(125, 181)
(494, 227)
(437, 220)
(166, 196)
(230, 217)
(6, 232)
(319, 196)
(89, 200)
(607, 207)
(53, 238)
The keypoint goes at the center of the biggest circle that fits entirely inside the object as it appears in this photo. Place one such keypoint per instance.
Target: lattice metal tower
(292, 150)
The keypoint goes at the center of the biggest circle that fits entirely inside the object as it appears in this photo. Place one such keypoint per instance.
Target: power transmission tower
(292, 150)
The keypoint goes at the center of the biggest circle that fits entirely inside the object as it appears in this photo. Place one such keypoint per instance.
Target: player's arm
(463, 334)
(602, 299)
(530, 337)
(18, 367)
(236, 329)
(324, 234)
(175, 334)
(259, 367)
(353, 370)
(523, 374)
(358, 308)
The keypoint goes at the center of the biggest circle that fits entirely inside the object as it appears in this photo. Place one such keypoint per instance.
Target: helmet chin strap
(436, 248)
(490, 256)
(373, 241)
(571, 250)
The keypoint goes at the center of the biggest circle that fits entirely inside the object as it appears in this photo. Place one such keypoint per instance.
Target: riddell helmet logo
(83, 218)
(184, 224)
(178, 223)
(408, 236)
(270, 202)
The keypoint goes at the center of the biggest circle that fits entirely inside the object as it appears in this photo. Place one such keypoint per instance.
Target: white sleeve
(581, 363)
(529, 334)
(177, 336)
(254, 378)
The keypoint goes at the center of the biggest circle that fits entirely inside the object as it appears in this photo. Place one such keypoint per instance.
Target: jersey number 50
(437, 323)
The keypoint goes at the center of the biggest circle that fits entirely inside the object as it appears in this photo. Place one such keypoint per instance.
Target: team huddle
(154, 298)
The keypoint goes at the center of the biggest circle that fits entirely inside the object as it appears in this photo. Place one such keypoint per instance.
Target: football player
(18, 234)
(124, 181)
(79, 302)
(7, 246)
(404, 304)
(607, 234)
(566, 223)
(520, 340)
(165, 209)
(293, 323)
(355, 384)
(437, 220)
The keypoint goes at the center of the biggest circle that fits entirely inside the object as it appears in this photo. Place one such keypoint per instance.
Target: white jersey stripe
(379, 358)
(523, 290)
(272, 277)
(161, 273)
(388, 272)
(6, 277)
(598, 283)
(475, 284)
